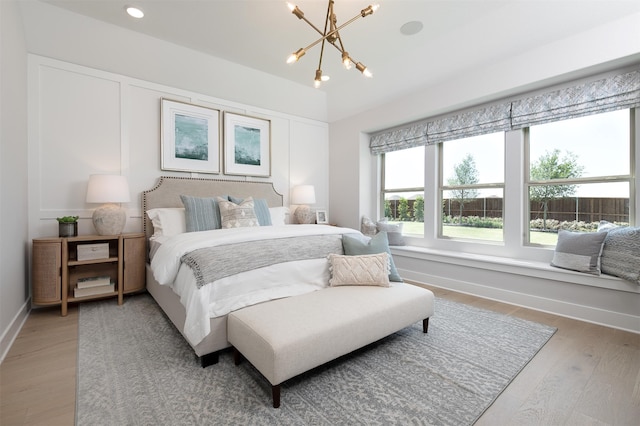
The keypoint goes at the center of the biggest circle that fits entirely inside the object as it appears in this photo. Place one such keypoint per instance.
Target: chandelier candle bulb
(296, 56)
(363, 69)
(346, 60)
(295, 10)
(369, 10)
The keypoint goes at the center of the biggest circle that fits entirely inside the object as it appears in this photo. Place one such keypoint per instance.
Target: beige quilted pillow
(367, 269)
(234, 215)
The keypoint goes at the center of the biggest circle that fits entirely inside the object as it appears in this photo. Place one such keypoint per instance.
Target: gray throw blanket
(213, 263)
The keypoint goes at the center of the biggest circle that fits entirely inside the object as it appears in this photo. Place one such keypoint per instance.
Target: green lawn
(487, 234)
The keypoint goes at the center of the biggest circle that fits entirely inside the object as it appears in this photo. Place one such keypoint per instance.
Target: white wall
(14, 245)
(84, 121)
(56, 33)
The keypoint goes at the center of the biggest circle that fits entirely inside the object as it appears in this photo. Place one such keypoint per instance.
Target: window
(472, 187)
(403, 189)
(579, 174)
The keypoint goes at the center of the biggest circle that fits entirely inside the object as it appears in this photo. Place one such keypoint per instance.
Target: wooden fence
(562, 209)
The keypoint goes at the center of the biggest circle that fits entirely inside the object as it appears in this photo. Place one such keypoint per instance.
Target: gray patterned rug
(134, 368)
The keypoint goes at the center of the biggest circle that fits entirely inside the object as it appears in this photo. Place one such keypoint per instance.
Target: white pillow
(394, 232)
(279, 215)
(167, 221)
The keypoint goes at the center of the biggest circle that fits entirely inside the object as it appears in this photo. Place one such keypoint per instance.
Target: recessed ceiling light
(411, 28)
(135, 12)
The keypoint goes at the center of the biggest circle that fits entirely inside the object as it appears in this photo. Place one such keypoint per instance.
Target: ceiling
(457, 36)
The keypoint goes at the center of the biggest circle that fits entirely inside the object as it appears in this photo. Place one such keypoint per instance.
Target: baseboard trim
(589, 314)
(11, 333)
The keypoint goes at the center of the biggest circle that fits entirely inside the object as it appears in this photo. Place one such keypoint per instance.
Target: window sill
(517, 266)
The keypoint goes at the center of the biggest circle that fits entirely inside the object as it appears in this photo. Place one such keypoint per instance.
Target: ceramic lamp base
(109, 219)
(304, 215)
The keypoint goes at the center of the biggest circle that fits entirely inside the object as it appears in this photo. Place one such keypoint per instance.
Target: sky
(600, 142)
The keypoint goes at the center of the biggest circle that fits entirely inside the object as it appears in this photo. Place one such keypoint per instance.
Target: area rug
(134, 368)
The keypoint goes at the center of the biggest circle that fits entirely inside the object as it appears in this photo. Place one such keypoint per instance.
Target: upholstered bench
(286, 337)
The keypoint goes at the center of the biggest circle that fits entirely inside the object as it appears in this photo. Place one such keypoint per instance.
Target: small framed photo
(321, 217)
(247, 145)
(189, 137)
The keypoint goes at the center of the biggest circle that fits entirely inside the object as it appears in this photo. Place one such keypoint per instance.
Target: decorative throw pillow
(167, 221)
(394, 232)
(579, 251)
(355, 245)
(605, 226)
(279, 215)
(260, 208)
(368, 227)
(621, 253)
(237, 215)
(369, 269)
(201, 214)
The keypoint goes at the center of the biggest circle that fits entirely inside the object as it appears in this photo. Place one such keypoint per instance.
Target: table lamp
(108, 219)
(302, 195)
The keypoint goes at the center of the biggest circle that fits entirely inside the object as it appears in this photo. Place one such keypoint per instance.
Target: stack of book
(92, 286)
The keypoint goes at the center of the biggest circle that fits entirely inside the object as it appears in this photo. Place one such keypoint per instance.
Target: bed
(180, 271)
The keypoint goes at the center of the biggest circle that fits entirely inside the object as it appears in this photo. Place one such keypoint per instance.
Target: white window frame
(579, 181)
(443, 187)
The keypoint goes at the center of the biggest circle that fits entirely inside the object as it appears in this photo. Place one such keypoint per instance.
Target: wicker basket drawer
(46, 273)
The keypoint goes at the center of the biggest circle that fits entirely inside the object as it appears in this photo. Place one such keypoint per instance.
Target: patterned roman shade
(606, 94)
(394, 140)
(491, 119)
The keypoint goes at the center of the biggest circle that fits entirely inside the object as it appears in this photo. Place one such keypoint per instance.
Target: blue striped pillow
(201, 214)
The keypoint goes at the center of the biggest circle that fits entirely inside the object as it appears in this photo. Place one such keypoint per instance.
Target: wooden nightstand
(57, 268)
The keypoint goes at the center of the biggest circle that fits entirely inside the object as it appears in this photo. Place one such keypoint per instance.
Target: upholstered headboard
(167, 193)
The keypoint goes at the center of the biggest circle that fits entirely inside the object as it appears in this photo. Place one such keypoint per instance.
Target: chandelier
(330, 34)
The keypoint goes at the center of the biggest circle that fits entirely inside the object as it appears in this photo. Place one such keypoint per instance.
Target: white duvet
(240, 290)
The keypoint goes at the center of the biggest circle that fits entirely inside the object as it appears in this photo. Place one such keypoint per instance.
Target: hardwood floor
(38, 376)
(585, 375)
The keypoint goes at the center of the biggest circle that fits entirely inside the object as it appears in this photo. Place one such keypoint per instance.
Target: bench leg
(237, 356)
(425, 325)
(209, 359)
(275, 392)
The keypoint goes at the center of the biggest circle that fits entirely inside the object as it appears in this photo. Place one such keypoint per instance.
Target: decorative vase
(67, 229)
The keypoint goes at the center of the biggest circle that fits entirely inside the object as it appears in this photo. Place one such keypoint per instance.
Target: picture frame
(189, 137)
(247, 145)
(321, 217)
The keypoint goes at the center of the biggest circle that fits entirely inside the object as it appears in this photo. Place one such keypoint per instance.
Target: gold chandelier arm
(312, 26)
(326, 24)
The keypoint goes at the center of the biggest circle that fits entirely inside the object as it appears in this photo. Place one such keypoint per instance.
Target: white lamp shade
(303, 194)
(107, 189)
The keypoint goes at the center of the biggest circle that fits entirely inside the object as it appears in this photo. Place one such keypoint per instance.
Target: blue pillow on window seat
(355, 245)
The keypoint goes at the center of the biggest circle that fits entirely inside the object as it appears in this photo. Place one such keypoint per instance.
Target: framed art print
(321, 217)
(247, 145)
(190, 137)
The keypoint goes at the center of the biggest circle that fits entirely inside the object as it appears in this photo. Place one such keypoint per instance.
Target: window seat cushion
(516, 266)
